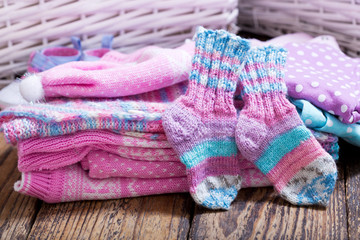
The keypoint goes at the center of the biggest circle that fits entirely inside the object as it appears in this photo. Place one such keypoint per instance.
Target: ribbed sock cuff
(264, 71)
(218, 56)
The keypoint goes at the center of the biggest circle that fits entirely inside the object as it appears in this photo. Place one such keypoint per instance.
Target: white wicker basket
(339, 18)
(29, 25)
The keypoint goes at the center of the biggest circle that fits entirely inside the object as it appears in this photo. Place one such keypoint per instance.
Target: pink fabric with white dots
(102, 164)
(318, 71)
(117, 74)
(72, 183)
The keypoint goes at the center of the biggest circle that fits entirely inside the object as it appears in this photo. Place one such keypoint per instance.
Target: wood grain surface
(17, 211)
(152, 217)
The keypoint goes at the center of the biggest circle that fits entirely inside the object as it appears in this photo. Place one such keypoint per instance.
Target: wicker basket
(30, 25)
(339, 18)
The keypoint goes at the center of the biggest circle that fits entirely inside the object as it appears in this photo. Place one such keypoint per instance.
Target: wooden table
(256, 213)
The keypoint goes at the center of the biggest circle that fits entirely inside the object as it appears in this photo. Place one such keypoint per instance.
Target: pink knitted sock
(72, 183)
(271, 134)
(114, 75)
(201, 124)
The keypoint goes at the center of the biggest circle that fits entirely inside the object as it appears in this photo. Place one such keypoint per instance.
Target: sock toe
(220, 198)
(315, 193)
(312, 185)
(217, 192)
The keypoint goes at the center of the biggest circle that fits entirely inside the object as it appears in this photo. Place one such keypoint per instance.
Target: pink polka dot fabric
(102, 164)
(318, 71)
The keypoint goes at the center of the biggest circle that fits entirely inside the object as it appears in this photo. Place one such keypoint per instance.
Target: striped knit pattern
(271, 134)
(329, 142)
(201, 124)
(138, 113)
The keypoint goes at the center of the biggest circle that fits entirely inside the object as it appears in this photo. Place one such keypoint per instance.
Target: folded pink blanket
(72, 183)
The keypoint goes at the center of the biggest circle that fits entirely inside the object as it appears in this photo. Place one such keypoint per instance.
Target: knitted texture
(201, 124)
(139, 113)
(150, 136)
(72, 183)
(271, 134)
(103, 164)
(118, 74)
(49, 153)
(59, 184)
(42, 119)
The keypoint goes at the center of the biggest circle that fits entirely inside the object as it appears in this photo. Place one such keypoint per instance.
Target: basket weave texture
(31, 25)
(339, 18)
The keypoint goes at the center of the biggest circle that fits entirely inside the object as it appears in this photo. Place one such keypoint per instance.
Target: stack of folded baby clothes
(101, 135)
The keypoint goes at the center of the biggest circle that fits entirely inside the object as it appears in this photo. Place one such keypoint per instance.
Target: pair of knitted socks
(204, 130)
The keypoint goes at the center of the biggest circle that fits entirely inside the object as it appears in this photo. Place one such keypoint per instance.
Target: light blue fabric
(323, 121)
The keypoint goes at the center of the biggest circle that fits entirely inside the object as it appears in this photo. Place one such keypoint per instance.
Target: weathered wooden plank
(166, 219)
(153, 217)
(351, 156)
(259, 213)
(4, 148)
(17, 212)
